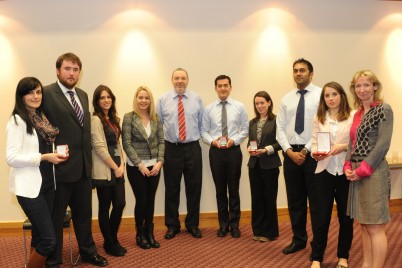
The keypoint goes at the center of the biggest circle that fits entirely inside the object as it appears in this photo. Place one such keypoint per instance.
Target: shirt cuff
(270, 149)
(364, 170)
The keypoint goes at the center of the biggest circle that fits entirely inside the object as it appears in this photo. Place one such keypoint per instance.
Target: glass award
(253, 146)
(223, 141)
(61, 151)
(323, 143)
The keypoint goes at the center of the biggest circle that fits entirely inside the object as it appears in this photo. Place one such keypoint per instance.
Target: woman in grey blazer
(263, 166)
(144, 144)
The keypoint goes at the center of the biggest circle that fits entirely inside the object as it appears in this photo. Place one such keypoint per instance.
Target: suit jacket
(61, 114)
(24, 158)
(342, 138)
(267, 138)
(137, 144)
(100, 152)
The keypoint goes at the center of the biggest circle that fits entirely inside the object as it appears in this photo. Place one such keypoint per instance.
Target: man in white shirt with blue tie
(293, 133)
(224, 127)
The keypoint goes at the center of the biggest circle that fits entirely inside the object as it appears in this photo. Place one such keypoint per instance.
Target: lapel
(139, 126)
(253, 130)
(63, 99)
(264, 130)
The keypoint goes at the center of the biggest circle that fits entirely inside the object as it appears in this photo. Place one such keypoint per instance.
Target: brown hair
(344, 108)
(267, 97)
(112, 113)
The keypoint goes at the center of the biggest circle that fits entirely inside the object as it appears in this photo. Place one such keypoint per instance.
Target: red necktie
(182, 120)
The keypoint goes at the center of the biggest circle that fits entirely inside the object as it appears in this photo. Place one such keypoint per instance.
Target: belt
(297, 147)
(181, 144)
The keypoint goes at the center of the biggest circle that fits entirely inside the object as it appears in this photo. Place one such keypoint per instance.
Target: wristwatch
(304, 151)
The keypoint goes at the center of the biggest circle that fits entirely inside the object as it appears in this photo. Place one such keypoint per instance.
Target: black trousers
(39, 211)
(299, 188)
(264, 192)
(327, 188)
(109, 222)
(182, 159)
(77, 195)
(226, 171)
(144, 189)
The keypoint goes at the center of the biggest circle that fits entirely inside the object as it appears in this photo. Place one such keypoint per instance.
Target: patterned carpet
(210, 251)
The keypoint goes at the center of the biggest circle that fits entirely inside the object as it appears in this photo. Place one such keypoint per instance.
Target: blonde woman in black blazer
(263, 166)
(144, 144)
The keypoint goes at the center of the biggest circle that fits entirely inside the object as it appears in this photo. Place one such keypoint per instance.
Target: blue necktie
(77, 108)
(299, 124)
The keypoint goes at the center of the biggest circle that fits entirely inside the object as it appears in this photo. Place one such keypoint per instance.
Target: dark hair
(267, 97)
(221, 77)
(344, 108)
(112, 113)
(25, 85)
(309, 65)
(68, 57)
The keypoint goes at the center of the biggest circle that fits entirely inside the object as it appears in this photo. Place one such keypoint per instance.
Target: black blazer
(267, 138)
(61, 114)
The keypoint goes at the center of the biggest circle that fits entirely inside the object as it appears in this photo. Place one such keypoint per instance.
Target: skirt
(368, 200)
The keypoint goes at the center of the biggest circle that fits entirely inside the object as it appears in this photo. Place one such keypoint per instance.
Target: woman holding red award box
(330, 139)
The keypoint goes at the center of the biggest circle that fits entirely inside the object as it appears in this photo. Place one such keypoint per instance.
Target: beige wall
(124, 44)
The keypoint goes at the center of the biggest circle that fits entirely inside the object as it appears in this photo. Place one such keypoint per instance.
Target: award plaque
(323, 143)
(61, 151)
(223, 141)
(253, 146)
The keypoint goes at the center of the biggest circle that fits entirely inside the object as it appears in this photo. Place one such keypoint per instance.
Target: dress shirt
(237, 121)
(167, 110)
(77, 99)
(285, 131)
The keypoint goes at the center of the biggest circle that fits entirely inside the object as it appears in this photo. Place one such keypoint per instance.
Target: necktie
(77, 108)
(299, 124)
(224, 120)
(182, 119)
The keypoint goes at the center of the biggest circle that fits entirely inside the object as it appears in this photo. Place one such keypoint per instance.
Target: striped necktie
(224, 120)
(182, 120)
(78, 111)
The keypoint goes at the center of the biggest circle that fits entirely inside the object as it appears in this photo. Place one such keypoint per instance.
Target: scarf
(42, 126)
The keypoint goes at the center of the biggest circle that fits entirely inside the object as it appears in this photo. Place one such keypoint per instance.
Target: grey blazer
(137, 144)
(267, 138)
(61, 114)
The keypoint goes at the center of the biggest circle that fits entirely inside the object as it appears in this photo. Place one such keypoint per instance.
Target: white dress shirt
(285, 121)
(237, 121)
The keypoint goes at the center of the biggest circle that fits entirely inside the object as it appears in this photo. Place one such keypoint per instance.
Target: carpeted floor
(210, 251)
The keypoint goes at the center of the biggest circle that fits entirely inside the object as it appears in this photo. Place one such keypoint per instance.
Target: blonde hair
(151, 109)
(373, 79)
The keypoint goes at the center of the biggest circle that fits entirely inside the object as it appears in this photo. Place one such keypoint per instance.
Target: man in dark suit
(67, 108)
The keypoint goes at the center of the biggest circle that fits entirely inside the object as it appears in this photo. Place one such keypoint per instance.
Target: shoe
(264, 239)
(235, 232)
(114, 250)
(171, 233)
(149, 235)
(273, 238)
(341, 266)
(141, 239)
(292, 248)
(195, 232)
(222, 232)
(121, 247)
(96, 260)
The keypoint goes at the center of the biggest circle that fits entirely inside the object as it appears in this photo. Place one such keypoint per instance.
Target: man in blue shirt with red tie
(181, 113)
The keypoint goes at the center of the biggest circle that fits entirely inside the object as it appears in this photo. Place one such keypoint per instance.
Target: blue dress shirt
(237, 121)
(166, 108)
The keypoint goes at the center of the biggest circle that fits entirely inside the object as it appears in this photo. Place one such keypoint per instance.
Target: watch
(304, 151)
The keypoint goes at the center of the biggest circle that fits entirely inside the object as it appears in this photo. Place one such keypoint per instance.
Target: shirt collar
(64, 89)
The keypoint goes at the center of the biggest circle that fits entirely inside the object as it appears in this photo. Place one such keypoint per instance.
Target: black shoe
(149, 235)
(96, 260)
(141, 239)
(235, 232)
(292, 248)
(114, 250)
(222, 232)
(121, 247)
(171, 233)
(195, 232)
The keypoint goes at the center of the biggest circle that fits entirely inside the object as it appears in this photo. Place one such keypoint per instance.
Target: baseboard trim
(207, 219)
